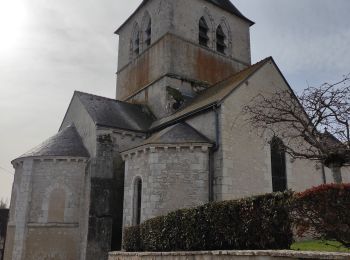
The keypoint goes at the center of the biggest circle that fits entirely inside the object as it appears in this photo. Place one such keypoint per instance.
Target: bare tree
(314, 124)
(3, 204)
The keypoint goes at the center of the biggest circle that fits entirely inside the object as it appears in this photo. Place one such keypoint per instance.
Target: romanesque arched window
(221, 40)
(135, 41)
(203, 32)
(137, 201)
(147, 30)
(57, 205)
(278, 165)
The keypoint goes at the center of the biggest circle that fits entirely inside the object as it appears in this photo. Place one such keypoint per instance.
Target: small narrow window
(137, 201)
(278, 165)
(203, 32)
(137, 44)
(148, 34)
(220, 40)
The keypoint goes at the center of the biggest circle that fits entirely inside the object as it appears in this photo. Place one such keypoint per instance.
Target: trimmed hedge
(325, 210)
(260, 222)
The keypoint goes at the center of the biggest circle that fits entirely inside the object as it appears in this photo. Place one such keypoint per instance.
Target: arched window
(137, 44)
(146, 28)
(137, 201)
(278, 165)
(135, 41)
(148, 34)
(203, 32)
(220, 40)
(57, 205)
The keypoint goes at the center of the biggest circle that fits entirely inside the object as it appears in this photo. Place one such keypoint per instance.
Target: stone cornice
(18, 162)
(152, 148)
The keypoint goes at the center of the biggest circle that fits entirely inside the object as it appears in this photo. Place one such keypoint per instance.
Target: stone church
(173, 137)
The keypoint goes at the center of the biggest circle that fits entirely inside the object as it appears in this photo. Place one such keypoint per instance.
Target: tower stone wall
(175, 58)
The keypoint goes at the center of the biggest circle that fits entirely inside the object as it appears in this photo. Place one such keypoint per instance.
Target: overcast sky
(50, 48)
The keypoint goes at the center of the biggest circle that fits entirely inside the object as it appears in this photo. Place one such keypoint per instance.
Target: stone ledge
(249, 255)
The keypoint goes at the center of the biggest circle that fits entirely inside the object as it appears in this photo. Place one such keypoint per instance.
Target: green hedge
(324, 210)
(260, 222)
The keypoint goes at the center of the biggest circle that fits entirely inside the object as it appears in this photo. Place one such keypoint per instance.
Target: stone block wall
(46, 209)
(246, 162)
(181, 18)
(172, 178)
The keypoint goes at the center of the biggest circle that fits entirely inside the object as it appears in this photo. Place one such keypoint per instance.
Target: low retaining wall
(226, 255)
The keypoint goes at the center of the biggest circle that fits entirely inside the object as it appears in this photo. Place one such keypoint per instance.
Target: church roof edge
(115, 113)
(180, 133)
(66, 143)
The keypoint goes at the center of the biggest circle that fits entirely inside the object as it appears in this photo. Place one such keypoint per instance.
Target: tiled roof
(116, 114)
(67, 142)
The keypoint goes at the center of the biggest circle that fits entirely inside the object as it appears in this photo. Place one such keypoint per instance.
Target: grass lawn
(318, 245)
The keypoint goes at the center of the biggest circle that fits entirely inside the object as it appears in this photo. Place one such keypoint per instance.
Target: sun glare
(12, 20)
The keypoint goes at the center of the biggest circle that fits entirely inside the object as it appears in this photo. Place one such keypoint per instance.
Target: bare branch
(316, 123)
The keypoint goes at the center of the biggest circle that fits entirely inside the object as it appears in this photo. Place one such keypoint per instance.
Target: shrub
(324, 210)
(131, 239)
(260, 222)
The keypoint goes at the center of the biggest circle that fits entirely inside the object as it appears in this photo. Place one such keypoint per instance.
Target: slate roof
(65, 143)
(229, 7)
(224, 4)
(179, 133)
(214, 94)
(116, 114)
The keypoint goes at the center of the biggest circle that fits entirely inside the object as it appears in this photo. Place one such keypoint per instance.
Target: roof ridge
(106, 98)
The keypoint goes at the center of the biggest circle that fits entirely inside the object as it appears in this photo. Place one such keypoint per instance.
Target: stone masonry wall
(175, 43)
(181, 18)
(246, 152)
(107, 191)
(45, 209)
(172, 178)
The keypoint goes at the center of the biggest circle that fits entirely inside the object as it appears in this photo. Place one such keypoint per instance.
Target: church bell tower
(171, 50)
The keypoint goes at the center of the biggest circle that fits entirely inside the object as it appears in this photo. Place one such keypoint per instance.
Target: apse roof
(65, 143)
(179, 133)
(116, 114)
(224, 4)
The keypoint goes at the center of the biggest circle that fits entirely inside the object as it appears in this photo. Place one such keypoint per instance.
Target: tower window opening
(148, 34)
(220, 40)
(203, 32)
(278, 165)
(137, 44)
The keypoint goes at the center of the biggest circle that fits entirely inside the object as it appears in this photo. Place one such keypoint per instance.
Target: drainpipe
(212, 152)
